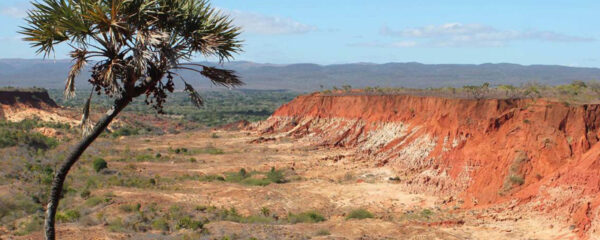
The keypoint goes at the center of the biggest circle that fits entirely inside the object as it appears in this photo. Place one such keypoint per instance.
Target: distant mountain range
(310, 77)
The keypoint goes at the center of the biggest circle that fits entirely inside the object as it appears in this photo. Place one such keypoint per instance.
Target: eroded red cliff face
(485, 152)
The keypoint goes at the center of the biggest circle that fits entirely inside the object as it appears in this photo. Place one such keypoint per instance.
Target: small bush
(116, 225)
(188, 223)
(99, 164)
(257, 219)
(517, 180)
(85, 193)
(265, 211)
(68, 216)
(426, 213)
(306, 217)
(160, 224)
(211, 178)
(359, 214)
(125, 131)
(130, 207)
(276, 176)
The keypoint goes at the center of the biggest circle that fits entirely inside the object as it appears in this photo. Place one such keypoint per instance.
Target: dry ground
(328, 181)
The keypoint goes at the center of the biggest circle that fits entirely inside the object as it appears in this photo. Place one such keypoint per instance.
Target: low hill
(310, 77)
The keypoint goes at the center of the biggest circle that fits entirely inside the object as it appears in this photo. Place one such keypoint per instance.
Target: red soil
(485, 152)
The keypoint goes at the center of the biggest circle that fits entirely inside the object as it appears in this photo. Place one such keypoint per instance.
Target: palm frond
(223, 77)
(80, 58)
(194, 95)
(86, 122)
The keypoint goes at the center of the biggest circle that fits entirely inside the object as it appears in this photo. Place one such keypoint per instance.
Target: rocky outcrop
(485, 152)
(37, 98)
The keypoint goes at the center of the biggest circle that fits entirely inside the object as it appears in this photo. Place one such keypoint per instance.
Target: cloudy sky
(564, 32)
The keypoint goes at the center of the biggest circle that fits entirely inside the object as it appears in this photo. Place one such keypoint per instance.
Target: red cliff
(485, 152)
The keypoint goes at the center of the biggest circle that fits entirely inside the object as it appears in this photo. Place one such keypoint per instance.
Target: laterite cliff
(523, 154)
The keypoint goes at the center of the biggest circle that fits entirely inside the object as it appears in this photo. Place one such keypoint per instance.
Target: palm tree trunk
(61, 174)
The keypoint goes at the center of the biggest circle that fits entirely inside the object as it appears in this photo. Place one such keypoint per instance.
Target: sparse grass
(160, 224)
(323, 232)
(94, 201)
(248, 178)
(209, 150)
(359, 214)
(305, 217)
(130, 207)
(116, 225)
(33, 224)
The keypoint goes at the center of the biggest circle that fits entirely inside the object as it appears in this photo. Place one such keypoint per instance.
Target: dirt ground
(329, 181)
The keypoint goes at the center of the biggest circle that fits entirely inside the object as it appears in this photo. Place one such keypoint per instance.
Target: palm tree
(135, 47)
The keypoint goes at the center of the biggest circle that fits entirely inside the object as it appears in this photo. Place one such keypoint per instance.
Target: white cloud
(458, 35)
(268, 25)
(14, 12)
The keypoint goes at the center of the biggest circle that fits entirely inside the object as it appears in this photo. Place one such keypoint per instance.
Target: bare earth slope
(513, 155)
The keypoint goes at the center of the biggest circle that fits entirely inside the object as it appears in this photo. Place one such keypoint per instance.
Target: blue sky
(343, 31)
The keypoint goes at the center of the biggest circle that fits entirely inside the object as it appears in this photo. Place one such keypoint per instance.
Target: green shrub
(276, 176)
(99, 164)
(68, 216)
(85, 193)
(426, 213)
(125, 131)
(517, 180)
(230, 215)
(130, 207)
(211, 178)
(160, 224)
(116, 225)
(188, 223)
(306, 217)
(265, 211)
(257, 219)
(359, 214)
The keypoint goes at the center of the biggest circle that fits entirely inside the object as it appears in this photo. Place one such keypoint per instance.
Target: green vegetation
(517, 180)
(130, 207)
(575, 92)
(306, 217)
(125, 131)
(71, 215)
(20, 133)
(249, 178)
(359, 214)
(514, 176)
(99, 164)
(221, 107)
